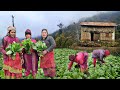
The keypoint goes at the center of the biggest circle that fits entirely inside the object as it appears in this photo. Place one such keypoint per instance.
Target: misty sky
(37, 20)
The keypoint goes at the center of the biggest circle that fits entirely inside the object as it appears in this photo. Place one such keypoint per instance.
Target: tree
(60, 34)
(60, 25)
(63, 42)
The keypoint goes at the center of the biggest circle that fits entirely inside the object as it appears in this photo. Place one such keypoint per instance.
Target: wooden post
(13, 20)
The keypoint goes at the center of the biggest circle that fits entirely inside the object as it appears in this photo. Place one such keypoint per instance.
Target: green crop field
(109, 70)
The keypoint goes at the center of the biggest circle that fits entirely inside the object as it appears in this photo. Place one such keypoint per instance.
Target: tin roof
(98, 24)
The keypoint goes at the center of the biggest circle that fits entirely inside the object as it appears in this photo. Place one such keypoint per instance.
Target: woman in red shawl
(30, 60)
(81, 60)
(12, 68)
(47, 62)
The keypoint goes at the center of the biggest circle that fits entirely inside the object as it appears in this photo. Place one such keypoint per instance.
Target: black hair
(45, 30)
(72, 57)
(27, 33)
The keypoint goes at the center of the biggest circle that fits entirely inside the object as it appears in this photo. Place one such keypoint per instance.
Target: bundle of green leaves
(39, 47)
(27, 45)
(13, 48)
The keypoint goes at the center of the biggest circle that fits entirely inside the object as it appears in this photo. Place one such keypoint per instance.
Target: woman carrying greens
(12, 66)
(30, 55)
(47, 62)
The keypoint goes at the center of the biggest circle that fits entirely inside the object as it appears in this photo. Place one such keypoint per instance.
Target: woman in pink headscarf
(12, 68)
(99, 54)
(30, 60)
(81, 59)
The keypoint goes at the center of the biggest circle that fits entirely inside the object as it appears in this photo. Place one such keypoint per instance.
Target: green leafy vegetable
(13, 48)
(27, 45)
(39, 46)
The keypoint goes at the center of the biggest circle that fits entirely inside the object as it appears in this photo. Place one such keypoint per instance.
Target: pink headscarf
(10, 28)
(107, 52)
(28, 31)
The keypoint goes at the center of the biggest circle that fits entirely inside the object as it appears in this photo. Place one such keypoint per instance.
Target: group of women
(13, 68)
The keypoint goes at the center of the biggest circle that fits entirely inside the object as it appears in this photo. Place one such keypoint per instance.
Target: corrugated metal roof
(98, 24)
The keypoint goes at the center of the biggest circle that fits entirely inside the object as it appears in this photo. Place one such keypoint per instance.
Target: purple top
(99, 54)
(31, 60)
